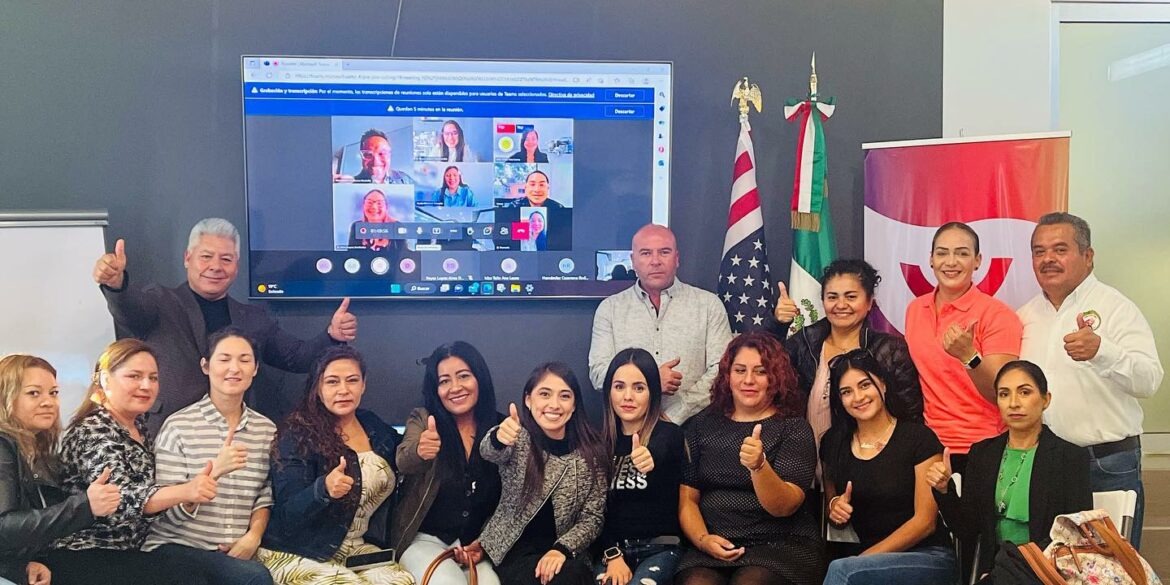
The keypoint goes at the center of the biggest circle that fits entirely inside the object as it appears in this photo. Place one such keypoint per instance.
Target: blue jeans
(1121, 471)
(927, 565)
(215, 567)
(652, 564)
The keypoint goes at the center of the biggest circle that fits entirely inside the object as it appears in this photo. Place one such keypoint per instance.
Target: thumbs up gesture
(103, 496)
(337, 483)
(786, 309)
(232, 456)
(202, 488)
(1082, 345)
(509, 430)
(640, 456)
(343, 326)
(671, 380)
(960, 341)
(111, 268)
(938, 475)
(751, 452)
(840, 507)
(429, 442)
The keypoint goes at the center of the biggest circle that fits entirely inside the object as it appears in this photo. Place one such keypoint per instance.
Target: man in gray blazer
(176, 321)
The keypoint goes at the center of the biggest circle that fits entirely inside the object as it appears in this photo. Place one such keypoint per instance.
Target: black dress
(790, 547)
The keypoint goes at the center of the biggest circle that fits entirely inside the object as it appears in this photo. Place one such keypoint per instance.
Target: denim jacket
(305, 520)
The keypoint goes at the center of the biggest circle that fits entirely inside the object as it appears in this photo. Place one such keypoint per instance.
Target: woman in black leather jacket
(34, 511)
(847, 293)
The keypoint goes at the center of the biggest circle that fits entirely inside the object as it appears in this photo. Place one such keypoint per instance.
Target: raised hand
(786, 309)
(751, 452)
(720, 547)
(232, 457)
(110, 269)
(509, 430)
(840, 508)
(429, 441)
(960, 341)
(202, 488)
(1082, 345)
(343, 326)
(938, 475)
(640, 456)
(103, 496)
(671, 380)
(337, 483)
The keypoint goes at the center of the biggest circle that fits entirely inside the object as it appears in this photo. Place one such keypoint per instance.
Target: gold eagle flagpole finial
(747, 93)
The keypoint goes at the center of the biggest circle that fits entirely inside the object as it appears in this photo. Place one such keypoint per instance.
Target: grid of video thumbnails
(433, 195)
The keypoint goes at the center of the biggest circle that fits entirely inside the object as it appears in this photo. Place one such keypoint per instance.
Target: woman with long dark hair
(553, 468)
(449, 490)
(640, 539)
(1016, 483)
(332, 476)
(751, 457)
(34, 510)
(875, 464)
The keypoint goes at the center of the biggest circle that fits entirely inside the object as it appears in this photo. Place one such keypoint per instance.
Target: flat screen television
(427, 179)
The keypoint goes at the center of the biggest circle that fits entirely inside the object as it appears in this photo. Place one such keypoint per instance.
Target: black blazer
(1059, 485)
(33, 513)
(169, 319)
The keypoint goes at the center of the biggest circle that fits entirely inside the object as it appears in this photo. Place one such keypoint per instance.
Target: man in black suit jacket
(176, 321)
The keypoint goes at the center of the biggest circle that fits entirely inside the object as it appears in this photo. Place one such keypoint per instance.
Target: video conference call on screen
(408, 178)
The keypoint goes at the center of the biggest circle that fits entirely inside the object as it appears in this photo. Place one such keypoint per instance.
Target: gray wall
(135, 107)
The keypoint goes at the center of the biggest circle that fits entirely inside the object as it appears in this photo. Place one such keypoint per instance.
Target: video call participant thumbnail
(452, 145)
(536, 192)
(452, 193)
(373, 211)
(376, 152)
(529, 149)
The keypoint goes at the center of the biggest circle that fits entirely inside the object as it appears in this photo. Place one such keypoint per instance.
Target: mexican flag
(813, 245)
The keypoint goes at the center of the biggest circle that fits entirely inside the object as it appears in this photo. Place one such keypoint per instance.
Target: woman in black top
(449, 490)
(640, 538)
(1017, 483)
(848, 289)
(33, 509)
(875, 466)
(750, 459)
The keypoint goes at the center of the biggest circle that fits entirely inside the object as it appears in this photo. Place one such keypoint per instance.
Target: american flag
(745, 281)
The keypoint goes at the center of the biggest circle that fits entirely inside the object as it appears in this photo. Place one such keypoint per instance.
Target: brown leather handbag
(472, 577)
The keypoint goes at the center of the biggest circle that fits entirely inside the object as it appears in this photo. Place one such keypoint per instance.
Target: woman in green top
(1018, 482)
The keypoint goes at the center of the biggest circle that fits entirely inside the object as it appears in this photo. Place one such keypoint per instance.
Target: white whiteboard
(49, 304)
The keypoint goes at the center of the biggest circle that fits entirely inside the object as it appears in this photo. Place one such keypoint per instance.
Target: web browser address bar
(422, 77)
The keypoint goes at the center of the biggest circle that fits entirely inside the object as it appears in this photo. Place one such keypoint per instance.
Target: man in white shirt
(1097, 351)
(685, 328)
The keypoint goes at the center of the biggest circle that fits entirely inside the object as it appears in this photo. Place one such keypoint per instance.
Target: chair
(1121, 506)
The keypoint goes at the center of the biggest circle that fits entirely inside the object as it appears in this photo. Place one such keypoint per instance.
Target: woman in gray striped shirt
(221, 437)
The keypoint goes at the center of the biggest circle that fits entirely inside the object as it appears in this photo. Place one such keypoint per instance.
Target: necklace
(1001, 506)
(876, 445)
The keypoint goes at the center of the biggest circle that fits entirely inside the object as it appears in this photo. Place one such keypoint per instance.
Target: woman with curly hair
(750, 458)
(332, 476)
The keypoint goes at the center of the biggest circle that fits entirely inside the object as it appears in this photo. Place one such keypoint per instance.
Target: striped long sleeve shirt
(188, 440)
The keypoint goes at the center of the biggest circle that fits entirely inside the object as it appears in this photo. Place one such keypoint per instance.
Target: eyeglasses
(371, 153)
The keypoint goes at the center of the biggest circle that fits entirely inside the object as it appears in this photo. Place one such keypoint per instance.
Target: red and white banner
(1000, 186)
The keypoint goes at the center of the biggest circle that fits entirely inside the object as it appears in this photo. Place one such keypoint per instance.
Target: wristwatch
(974, 361)
(610, 554)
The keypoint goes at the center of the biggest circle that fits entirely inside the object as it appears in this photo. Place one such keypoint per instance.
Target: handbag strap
(472, 576)
(1042, 566)
(1120, 549)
